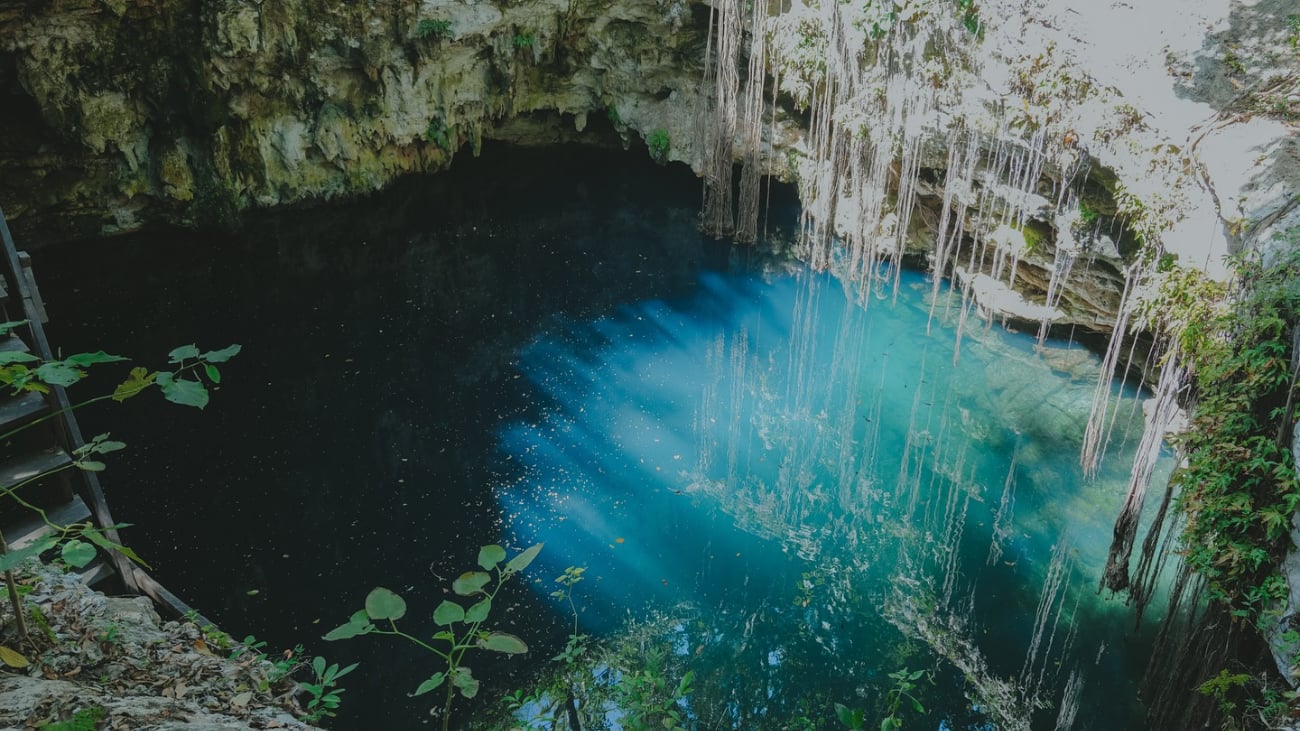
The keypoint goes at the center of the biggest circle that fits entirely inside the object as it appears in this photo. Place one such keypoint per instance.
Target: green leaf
(464, 680)
(358, 624)
(479, 612)
(491, 555)
(59, 373)
(318, 666)
(14, 558)
(470, 583)
(520, 562)
(345, 671)
(214, 375)
(138, 380)
(448, 613)
(5, 327)
(101, 444)
(384, 604)
(223, 355)
(434, 682)
(90, 465)
(89, 359)
(77, 553)
(182, 353)
(96, 537)
(16, 356)
(502, 642)
(916, 706)
(183, 391)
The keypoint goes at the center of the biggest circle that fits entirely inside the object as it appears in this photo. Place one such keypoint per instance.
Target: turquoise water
(807, 480)
(772, 481)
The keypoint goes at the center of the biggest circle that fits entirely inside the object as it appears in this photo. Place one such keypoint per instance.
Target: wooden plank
(97, 571)
(90, 490)
(35, 301)
(25, 467)
(11, 343)
(21, 409)
(34, 529)
(167, 601)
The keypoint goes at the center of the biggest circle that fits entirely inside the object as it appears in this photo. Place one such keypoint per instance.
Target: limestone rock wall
(126, 112)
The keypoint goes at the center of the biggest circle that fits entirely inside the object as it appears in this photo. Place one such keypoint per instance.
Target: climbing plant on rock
(1239, 487)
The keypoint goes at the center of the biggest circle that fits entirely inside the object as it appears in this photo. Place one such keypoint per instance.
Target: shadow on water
(541, 347)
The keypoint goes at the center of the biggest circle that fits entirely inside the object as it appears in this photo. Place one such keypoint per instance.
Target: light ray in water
(823, 479)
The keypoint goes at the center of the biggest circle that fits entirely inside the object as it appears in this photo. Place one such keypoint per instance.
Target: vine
(1239, 487)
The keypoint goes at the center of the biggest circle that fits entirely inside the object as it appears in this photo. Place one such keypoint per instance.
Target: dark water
(540, 347)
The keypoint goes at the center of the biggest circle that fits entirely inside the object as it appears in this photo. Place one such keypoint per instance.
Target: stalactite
(1159, 421)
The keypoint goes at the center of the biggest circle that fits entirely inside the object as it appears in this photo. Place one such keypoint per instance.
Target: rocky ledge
(111, 663)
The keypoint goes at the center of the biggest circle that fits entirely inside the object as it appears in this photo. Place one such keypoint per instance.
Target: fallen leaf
(202, 647)
(12, 658)
(241, 699)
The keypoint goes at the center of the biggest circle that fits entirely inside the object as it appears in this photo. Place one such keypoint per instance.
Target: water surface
(816, 488)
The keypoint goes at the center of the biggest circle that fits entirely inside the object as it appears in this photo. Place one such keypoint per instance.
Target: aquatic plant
(462, 626)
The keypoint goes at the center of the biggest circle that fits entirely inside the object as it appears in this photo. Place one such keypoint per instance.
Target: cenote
(784, 486)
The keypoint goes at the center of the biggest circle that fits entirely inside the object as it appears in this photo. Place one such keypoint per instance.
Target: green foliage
(1220, 688)
(112, 634)
(1233, 62)
(1087, 214)
(461, 626)
(85, 719)
(970, 16)
(636, 676)
(1293, 39)
(659, 145)
(1239, 486)
(21, 372)
(324, 693)
(611, 111)
(437, 133)
(433, 28)
(853, 718)
(650, 701)
(523, 40)
(282, 667)
(903, 690)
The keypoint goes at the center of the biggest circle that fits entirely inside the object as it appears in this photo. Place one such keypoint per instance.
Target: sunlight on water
(824, 498)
